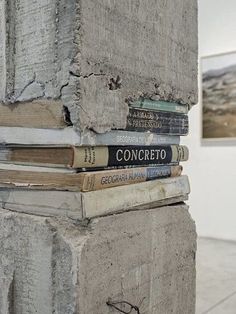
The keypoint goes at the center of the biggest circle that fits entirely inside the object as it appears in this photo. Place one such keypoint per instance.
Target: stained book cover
(34, 178)
(158, 122)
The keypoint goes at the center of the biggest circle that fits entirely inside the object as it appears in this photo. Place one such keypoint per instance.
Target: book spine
(69, 136)
(109, 156)
(106, 179)
(77, 205)
(160, 106)
(157, 122)
(129, 138)
(108, 201)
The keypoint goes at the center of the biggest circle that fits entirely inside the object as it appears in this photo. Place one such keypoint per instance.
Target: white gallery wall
(212, 165)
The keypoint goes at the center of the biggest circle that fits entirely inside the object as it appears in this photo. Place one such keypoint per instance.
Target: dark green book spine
(157, 122)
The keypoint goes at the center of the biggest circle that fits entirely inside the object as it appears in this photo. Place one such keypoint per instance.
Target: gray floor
(216, 277)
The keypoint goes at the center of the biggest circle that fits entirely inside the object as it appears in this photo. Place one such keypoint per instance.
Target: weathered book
(79, 205)
(157, 122)
(25, 136)
(84, 181)
(159, 105)
(93, 156)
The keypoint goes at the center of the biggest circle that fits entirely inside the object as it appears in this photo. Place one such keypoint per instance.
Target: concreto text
(140, 154)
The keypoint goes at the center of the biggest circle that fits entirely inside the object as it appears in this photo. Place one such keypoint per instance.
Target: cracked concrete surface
(66, 268)
(96, 55)
(31, 91)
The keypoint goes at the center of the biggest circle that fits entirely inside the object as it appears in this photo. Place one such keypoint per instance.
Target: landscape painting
(219, 96)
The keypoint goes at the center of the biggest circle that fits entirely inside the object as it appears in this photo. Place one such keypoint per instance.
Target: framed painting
(219, 96)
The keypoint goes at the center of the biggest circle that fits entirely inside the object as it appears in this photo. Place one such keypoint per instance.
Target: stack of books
(100, 174)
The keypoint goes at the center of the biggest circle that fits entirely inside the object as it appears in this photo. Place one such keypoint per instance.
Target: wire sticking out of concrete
(115, 304)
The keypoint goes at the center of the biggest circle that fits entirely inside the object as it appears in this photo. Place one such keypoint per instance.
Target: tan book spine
(107, 179)
(90, 157)
(84, 181)
(42, 180)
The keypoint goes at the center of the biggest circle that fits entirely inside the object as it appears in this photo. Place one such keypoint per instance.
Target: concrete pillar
(52, 265)
(93, 56)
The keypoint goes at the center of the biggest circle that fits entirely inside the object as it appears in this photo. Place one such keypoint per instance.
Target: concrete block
(96, 55)
(48, 265)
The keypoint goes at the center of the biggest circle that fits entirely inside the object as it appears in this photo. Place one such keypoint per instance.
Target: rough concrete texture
(97, 54)
(53, 266)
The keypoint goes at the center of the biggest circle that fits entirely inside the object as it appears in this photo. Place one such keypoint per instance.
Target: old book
(79, 205)
(34, 178)
(157, 122)
(155, 126)
(34, 114)
(93, 156)
(159, 105)
(25, 136)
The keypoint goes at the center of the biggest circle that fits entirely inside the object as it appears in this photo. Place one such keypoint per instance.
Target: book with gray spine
(19, 135)
(79, 205)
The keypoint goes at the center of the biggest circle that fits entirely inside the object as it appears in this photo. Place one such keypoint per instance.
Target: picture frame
(218, 97)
